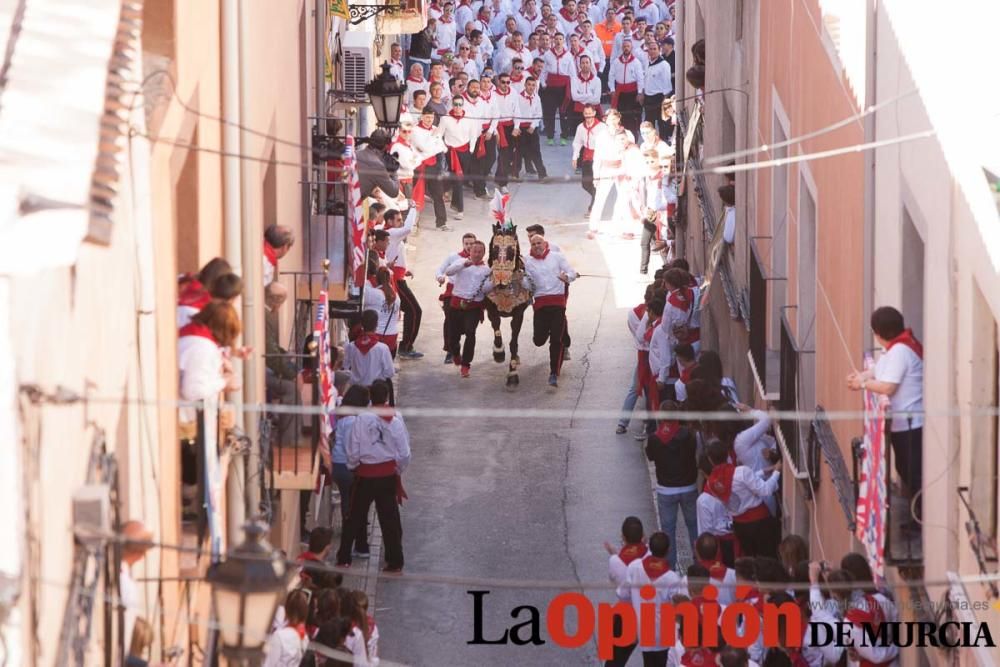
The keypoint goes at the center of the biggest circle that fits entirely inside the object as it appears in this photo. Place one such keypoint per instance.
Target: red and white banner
(355, 213)
(873, 487)
(498, 206)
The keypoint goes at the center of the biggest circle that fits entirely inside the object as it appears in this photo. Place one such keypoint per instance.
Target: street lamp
(386, 95)
(246, 590)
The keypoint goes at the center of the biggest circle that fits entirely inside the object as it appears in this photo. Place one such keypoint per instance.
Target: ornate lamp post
(386, 95)
(246, 590)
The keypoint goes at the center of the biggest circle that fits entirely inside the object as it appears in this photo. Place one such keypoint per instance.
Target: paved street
(521, 499)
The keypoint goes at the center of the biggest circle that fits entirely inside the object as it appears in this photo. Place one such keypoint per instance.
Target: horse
(509, 297)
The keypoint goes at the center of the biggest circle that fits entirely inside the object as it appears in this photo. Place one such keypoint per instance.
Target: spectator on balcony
(696, 77)
(193, 293)
(899, 375)
(278, 240)
(204, 371)
(422, 46)
(280, 373)
(727, 193)
(374, 176)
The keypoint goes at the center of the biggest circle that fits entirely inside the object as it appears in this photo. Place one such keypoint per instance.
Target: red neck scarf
(401, 141)
(639, 310)
(530, 18)
(588, 79)
(271, 253)
(195, 329)
(716, 568)
(720, 482)
(301, 629)
(650, 328)
(426, 127)
(444, 20)
(543, 254)
(622, 60)
(558, 54)
(365, 342)
(455, 115)
(416, 80)
(517, 78)
(463, 254)
(655, 567)
(194, 294)
(666, 431)
(698, 657)
(528, 97)
(869, 613)
(631, 552)
(907, 338)
(566, 15)
(681, 298)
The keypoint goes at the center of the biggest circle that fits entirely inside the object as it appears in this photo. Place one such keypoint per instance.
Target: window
(779, 232)
(807, 293)
(984, 433)
(912, 269)
(186, 228)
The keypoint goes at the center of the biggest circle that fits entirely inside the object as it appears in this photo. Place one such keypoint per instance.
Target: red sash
(753, 514)
(623, 88)
(391, 340)
(456, 163)
(549, 300)
(716, 568)
(698, 657)
(458, 303)
(384, 469)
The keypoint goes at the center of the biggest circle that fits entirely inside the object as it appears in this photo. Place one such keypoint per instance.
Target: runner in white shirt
(608, 156)
(560, 70)
(547, 274)
(633, 549)
(588, 134)
(526, 130)
(471, 282)
(654, 570)
(626, 81)
(447, 30)
(460, 135)
(479, 109)
(442, 279)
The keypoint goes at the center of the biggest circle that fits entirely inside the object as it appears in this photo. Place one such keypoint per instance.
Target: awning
(63, 112)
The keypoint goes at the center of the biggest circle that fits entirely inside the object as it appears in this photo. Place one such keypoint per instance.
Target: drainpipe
(232, 226)
(253, 252)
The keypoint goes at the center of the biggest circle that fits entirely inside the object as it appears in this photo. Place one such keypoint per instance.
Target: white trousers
(604, 186)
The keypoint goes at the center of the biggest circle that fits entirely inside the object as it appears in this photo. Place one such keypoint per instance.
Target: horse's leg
(516, 320)
(494, 314)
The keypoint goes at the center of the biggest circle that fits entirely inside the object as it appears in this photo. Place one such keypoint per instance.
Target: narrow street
(515, 499)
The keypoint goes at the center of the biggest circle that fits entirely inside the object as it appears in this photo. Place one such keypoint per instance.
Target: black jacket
(421, 45)
(372, 173)
(674, 460)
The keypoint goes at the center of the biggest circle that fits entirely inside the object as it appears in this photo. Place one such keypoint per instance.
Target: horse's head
(505, 253)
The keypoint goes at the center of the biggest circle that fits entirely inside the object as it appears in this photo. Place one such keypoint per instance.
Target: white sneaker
(458, 216)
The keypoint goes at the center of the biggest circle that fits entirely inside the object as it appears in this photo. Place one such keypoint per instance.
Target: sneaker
(621, 430)
(392, 570)
(563, 142)
(457, 360)
(641, 435)
(357, 553)
(553, 380)
(447, 358)
(543, 179)
(465, 371)
(566, 356)
(550, 142)
(504, 190)
(482, 195)
(443, 228)
(458, 215)
(411, 354)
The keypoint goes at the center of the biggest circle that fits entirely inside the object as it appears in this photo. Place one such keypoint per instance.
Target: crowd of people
(485, 80)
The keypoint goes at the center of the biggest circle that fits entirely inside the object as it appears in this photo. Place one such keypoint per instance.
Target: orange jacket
(607, 36)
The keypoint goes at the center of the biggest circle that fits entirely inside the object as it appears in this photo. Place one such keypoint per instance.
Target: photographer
(376, 168)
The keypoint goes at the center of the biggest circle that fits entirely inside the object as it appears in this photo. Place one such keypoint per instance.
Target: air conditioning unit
(92, 513)
(356, 64)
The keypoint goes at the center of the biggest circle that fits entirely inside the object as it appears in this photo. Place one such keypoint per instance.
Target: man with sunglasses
(504, 110)
(480, 110)
(460, 135)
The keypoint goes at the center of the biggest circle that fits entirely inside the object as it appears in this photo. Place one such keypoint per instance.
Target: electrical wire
(767, 148)
(539, 413)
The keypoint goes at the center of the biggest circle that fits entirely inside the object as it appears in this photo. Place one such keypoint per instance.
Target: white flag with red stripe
(498, 207)
(356, 216)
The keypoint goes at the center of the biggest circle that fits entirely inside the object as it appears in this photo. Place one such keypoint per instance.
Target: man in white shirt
(529, 113)
(465, 13)
(378, 451)
(460, 135)
(633, 549)
(278, 241)
(744, 492)
(399, 229)
(654, 570)
(899, 375)
(415, 82)
(626, 81)
(396, 61)
(559, 70)
(592, 46)
(658, 84)
(708, 554)
(366, 358)
(429, 146)
(548, 273)
(470, 284)
(656, 200)
(504, 101)
(714, 519)
(588, 133)
(608, 158)
(528, 18)
(447, 30)
(479, 109)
